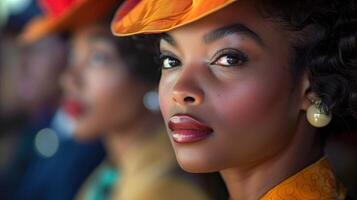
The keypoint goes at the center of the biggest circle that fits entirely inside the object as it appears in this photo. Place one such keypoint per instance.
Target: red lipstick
(73, 107)
(187, 129)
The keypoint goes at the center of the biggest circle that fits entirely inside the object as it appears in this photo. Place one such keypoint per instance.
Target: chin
(194, 162)
(83, 134)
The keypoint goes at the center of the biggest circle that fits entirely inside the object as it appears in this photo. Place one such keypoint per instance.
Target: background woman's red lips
(186, 129)
(72, 107)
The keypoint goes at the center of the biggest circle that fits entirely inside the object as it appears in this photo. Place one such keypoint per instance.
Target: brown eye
(229, 58)
(99, 59)
(168, 62)
(229, 61)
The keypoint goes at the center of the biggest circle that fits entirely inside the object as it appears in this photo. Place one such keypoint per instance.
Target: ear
(307, 95)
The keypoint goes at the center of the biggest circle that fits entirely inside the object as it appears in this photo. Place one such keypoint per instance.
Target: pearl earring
(316, 116)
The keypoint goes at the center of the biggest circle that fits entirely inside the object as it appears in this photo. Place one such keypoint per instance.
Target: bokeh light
(46, 142)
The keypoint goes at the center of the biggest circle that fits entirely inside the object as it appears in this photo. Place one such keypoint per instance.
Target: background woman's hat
(155, 16)
(62, 15)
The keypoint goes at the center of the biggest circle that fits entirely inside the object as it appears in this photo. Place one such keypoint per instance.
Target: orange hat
(155, 16)
(61, 15)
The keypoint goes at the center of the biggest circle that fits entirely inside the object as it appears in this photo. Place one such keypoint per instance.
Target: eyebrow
(219, 34)
(168, 38)
(232, 29)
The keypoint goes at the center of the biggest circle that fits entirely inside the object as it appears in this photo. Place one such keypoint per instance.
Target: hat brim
(81, 14)
(156, 16)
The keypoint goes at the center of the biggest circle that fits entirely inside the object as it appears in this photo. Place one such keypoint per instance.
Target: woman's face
(98, 86)
(226, 91)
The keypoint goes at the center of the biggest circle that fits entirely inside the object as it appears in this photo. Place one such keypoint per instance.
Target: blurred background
(36, 145)
(37, 152)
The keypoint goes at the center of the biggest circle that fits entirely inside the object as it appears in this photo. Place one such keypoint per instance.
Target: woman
(252, 88)
(109, 90)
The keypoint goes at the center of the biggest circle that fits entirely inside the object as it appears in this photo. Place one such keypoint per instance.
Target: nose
(187, 90)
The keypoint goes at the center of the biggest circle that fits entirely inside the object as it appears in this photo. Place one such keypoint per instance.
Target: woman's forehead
(92, 31)
(241, 18)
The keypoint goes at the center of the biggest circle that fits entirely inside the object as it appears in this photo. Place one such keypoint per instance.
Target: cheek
(261, 96)
(112, 100)
(164, 98)
(247, 102)
(102, 93)
(102, 88)
(256, 117)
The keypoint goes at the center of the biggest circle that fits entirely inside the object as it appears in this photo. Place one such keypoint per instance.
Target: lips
(73, 107)
(187, 129)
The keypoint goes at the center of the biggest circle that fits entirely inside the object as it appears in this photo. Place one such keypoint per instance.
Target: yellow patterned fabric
(316, 182)
(147, 172)
(155, 16)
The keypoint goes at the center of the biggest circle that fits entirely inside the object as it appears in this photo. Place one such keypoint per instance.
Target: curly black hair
(325, 46)
(139, 54)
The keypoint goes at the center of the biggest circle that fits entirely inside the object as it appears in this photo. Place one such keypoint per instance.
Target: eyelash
(165, 56)
(99, 59)
(232, 53)
(229, 52)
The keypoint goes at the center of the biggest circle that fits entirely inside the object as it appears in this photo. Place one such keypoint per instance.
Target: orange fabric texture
(154, 16)
(316, 182)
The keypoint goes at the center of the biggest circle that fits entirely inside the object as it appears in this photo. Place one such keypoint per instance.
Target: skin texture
(255, 108)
